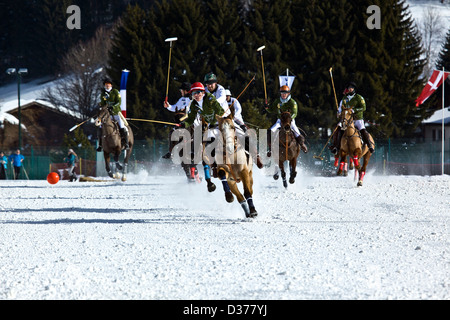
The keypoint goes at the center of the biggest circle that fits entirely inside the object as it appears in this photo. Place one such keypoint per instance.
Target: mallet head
(260, 48)
(171, 40)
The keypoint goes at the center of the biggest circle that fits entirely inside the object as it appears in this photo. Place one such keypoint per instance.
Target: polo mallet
(337, 108)
(168, 69)
(241, 93)
(319, 157)
(334, 90)
(155, 121)
(260, 49)
(76, 126)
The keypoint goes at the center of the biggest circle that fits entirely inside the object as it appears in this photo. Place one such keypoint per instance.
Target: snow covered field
(159, 238)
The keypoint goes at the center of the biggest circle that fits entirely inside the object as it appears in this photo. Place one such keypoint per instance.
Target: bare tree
(432, 31)
(83, 69)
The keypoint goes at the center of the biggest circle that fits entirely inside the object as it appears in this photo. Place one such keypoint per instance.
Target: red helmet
(197, 86)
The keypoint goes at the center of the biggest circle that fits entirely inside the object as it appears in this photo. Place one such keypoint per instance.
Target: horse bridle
(100, 120)
(235, 141)
(348, 122)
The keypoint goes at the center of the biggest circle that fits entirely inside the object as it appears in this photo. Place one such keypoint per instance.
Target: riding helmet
(107, 80)
(285, 89)
(197, 86)
(351, 84)
(210, 78)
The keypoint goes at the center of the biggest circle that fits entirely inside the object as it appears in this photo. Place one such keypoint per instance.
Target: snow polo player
(110, 97)
(285, 104)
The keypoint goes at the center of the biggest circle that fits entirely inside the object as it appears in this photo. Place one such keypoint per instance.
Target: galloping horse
(352, 145)
(289, 149)
(234, 166)
(112, 143)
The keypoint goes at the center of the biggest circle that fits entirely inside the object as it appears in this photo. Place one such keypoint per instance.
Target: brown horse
(352, 145)
(289, 150)
(234, 165)
(112, 143)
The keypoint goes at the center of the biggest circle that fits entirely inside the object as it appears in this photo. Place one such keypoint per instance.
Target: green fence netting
(390, 157)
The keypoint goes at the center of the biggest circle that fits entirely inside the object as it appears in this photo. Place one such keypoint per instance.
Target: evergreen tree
(444, 55)
(325, 42)
(388, 68)
(405, 73)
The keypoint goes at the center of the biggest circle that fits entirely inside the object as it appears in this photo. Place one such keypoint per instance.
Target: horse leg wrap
(226, 187)
(336, 161)
(250, 202)
(223, 178)
(207, 173)
(361, 175)
(355, 160)
(192, 173)
(341, 167)
(245, 206)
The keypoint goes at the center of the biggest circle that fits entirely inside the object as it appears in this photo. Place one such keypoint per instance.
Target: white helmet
(227, 92)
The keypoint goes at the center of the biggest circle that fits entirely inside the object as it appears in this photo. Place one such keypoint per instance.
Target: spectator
(16, 160)
(3, 165)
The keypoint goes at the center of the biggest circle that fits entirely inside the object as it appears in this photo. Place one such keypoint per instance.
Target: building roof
(436, 118)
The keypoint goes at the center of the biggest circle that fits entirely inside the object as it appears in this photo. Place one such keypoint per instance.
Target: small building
(42, 125)
(432, 127)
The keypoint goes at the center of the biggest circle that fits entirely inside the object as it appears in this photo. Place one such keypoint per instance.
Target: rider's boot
(366, 139)
(99, 138)
(301, 141)
(124, 134)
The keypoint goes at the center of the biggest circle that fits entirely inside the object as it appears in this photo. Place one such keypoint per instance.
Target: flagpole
(443, 127)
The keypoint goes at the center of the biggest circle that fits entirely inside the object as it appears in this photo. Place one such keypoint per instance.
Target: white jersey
(221, 97)
(182, 103)
(237, 110)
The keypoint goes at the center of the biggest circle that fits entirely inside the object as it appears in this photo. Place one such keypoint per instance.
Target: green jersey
(111, 99)
(357, 103)
(279, 107)
(210, 108)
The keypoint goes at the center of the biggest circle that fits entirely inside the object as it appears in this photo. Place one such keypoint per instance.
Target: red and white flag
(435, 81)
(123, 92)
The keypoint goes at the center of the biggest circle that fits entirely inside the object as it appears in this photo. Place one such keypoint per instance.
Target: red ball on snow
(52, 178)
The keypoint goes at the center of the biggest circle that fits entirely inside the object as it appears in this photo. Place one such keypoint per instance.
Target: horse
(189, 167)
(234, 165)
(352, 145)
(112, 143)
(289, 149)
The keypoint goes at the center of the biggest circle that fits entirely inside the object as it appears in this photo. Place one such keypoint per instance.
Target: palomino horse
(352, 146)
(112, 143)
(234, 165)
(289, 150)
